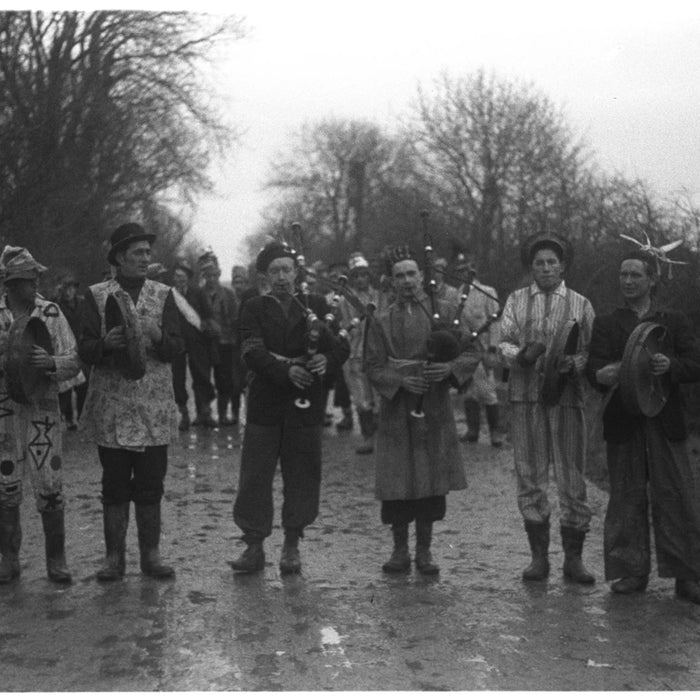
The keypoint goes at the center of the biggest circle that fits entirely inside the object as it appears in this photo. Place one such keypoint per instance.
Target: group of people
(400, 364)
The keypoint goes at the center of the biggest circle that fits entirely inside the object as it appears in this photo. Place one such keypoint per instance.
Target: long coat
(415, 457)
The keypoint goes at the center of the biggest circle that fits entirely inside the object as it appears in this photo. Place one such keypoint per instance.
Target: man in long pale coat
(417, 467)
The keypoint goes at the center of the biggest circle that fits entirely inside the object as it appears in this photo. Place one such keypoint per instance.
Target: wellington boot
(493, 421)
(10, 542)
(630, 584)
(252, 559)
(290, 561)
(400, 559)
(346, 422)
(574, 570)
(689, 590)
(148, 526)
(538, 536)
(184, 418)
(424, 559)
(115, 518)
(55, 539)
(472, 413)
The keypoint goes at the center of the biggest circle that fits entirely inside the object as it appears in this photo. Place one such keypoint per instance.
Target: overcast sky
(627, 75)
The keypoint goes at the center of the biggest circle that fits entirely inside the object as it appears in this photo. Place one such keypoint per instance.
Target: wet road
(342, 624)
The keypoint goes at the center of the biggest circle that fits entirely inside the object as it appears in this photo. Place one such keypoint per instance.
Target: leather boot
(55, 541)
(184, 418)
(492, 420)
(630, 584)
(290, 562)
(424, 559)
(10, 542)
(148, 527)
(115, 518)
(472, 412)
(574, 570)
(367, 430)
(252, 559)
(538, 536)
(204, 418)
(400, 560)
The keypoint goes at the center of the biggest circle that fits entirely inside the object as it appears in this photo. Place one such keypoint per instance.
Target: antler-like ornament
(660, 253)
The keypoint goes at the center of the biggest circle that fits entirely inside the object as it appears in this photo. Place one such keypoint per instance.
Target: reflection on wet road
(342, 624)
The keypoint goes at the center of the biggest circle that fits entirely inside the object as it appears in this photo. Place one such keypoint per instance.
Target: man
(69, 301)
(647, 459)
(480, 306)
(197, 336)
(285, 410)
(240, 285)
(132, 421)
(532, 318)
(30, 434)
(444, 291)
(225, 314)
(362, 394)
(418, 459)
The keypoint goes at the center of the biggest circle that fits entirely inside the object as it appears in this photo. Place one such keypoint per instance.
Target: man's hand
(151, 329)
(115, 339)
(490, 359)
(436, 371)
(317, 364)
(39, 358)
(415, 385)
(608, 375)
(659, 363)
(565, 364)
(300, 377)
(529, 354)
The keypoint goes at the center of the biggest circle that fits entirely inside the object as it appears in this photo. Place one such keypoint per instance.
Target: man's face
(180, 281)
(635, 281)
(24, 290)
(281, 274)
(238, 282)
(336, 273)
(134, 261)
(547, 269)
(407, 279)
(69, 291)
(360, 278)
(211, 275)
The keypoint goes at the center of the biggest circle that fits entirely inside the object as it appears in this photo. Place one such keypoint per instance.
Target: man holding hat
(131, 420)
(533, 320)
(363, 396)
(480, 307)
(288, 353)
(30, 433)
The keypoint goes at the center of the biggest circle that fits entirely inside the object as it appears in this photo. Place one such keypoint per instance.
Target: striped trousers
(553, 435)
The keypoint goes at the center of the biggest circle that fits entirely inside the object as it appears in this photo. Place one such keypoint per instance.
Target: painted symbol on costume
(51, 311)
(6, 467)
(5, 406)
(54, 501)
(41, 443)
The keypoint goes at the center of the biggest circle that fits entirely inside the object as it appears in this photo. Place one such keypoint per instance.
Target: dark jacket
(610, 334)
(264, 330)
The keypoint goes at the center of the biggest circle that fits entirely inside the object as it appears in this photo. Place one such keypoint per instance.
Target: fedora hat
(124, 236)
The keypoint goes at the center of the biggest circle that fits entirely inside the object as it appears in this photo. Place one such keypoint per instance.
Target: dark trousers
(649, 467)
(133, 476)
(197, 357)
(426, 509)
(223, 372)
(341, 393)
(298, 450)
(65, 400)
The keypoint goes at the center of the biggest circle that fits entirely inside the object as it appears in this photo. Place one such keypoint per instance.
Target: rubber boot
(184, 418)
(400, 560)
(472, 412)
(115, 518)
(492, 420)
(572, 542)
(148, 526)
(10, 542)
(346, 422)
(538, 536)
(424, 559)
(252, 559)
(290, 561)
(204, 418)
(366, 419)
(55, 541)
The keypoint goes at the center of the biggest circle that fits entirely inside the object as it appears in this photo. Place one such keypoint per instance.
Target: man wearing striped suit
(543, 433)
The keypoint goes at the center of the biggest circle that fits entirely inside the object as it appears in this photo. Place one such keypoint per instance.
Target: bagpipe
(447, 339)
